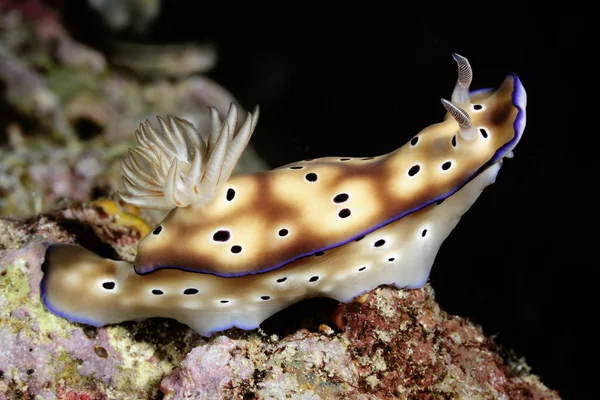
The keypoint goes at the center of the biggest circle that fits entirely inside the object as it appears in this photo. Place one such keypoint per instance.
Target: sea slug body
(233, 251)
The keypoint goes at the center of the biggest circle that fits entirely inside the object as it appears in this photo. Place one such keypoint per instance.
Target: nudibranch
(233, 251)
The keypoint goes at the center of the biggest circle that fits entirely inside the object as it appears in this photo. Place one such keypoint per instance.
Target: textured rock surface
(46, 357)
(390, 344)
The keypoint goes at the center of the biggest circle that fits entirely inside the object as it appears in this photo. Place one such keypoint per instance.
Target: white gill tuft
(176, 166)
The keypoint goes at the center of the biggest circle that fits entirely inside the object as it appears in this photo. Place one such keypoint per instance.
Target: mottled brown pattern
(501, 116)
(403, 258)
(260, 214)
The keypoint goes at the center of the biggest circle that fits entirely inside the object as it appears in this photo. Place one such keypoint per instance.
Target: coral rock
(392, 344)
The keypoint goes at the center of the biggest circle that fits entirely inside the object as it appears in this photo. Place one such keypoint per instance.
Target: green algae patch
(14, 284)
(15, 292)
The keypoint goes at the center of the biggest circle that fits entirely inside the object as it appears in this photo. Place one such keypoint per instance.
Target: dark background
(339, 80)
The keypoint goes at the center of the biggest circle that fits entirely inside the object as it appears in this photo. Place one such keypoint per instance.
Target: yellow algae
(126, 216)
